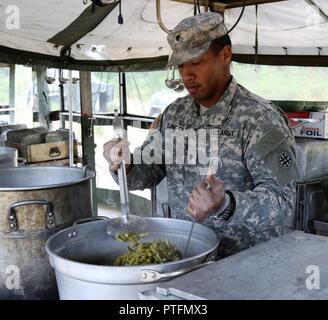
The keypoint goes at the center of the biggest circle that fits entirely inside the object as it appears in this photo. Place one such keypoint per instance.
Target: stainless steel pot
(36, 202)
(82, 257)
(8, 157)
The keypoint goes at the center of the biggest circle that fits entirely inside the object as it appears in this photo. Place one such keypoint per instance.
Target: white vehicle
(161, 99)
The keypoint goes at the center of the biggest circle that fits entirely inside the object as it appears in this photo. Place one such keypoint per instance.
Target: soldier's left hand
(205, 198)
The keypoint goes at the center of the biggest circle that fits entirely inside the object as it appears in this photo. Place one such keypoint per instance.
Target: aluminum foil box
(309, 124)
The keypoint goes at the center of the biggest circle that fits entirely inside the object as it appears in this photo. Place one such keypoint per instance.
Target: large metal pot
(8, 157)
(34, 204)
(83, 255)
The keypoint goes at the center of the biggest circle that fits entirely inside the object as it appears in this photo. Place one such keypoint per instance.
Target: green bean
(159, 251)
(131, 237)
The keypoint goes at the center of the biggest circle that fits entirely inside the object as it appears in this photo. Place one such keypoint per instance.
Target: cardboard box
(309, 124)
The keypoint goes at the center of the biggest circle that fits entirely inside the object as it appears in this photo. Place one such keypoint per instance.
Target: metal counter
(277, 269)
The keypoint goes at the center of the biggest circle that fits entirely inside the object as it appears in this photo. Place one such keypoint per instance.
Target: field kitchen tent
(73, 34)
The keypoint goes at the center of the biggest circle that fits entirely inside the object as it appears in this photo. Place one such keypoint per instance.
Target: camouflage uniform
(254, 143)
(259, 167)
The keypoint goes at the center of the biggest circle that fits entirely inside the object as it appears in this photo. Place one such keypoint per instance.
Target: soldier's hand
(115, 151)
(205, 198)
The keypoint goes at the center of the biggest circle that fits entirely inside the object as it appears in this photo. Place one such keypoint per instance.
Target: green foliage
(147, 83)
(284, 82)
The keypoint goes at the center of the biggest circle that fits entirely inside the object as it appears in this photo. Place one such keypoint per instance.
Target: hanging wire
(138, 92)
(240, 16)
(198, 6)
(256, 35)
(70, 118)
(107, 87)
(120, 19)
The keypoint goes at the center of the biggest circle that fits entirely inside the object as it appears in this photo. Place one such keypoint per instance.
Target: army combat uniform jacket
(257, 151)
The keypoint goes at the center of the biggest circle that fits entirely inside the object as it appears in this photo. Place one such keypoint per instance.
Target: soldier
(251, 197)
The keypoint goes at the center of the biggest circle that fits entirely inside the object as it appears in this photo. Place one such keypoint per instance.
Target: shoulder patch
(282, 164)
(276, 155)
(284, 159)
(268, 143)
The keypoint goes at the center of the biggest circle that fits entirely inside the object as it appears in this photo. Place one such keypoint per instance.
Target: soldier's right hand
(115, 151)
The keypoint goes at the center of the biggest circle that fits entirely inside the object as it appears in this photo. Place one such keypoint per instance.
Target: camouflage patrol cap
(193, 36)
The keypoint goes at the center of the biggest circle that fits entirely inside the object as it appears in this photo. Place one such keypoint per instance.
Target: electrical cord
(256, 35)
(240, 16)
(198, 6)
(120, 17)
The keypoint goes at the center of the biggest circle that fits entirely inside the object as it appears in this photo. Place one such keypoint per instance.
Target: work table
(280, 268)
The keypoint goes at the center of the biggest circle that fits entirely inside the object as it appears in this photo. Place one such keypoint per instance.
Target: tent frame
(221, 6)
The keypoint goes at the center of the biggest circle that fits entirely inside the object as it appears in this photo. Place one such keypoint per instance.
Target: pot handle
(166, 210)
(85, 169)
(85, 220)
(12, 219)
(148, 275)
(21, 161)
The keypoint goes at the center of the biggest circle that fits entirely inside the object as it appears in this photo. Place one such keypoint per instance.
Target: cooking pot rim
(7, 150)
(90, 174)
(119, 268)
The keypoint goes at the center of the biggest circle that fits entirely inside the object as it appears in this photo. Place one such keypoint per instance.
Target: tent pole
(123, 98)
(12, 92)
(88, 143)
(70, 108)
(44, 119)
(322, 13)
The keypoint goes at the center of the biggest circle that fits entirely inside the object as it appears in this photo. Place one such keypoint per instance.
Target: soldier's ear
(226, 54)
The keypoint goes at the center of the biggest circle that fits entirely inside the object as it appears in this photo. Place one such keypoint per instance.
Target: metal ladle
(126, 223)
(180, 87)
(168, 81)
(172, 83)
(214, 164)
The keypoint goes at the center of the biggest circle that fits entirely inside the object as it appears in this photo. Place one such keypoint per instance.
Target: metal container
(83, 255)
(311, 158)
(59, 135)
(311, 204)
(8, 157)
(4, 129)
(36, 203)
(17, 136)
